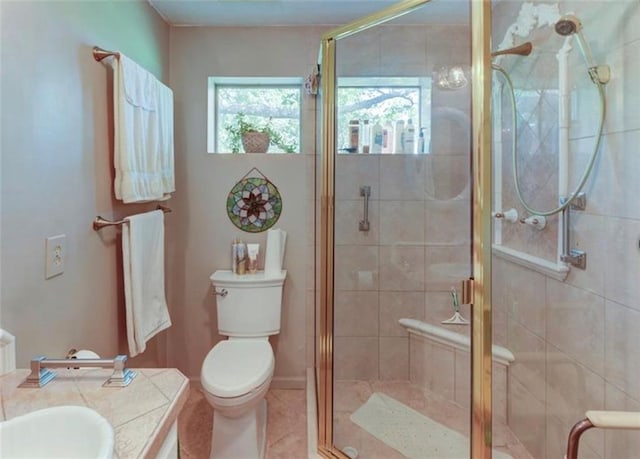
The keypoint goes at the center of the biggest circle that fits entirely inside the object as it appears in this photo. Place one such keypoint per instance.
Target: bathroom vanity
(143, 415)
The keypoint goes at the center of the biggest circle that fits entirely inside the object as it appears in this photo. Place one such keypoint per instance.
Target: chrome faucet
(41, 373)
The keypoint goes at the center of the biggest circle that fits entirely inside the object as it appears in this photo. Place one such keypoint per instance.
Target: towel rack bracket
(100, 222)
(100, 54)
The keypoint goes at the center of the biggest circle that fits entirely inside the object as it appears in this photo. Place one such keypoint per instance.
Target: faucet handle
(510, 215)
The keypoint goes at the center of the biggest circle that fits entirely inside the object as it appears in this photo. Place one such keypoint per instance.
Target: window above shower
(380, 115)
(238, 104)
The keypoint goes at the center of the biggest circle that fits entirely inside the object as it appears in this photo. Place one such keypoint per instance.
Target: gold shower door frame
(481, 357)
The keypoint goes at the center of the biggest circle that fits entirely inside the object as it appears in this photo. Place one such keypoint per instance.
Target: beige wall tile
(529, 367)
(622, 269)
(447, 222)
(440, 370)
(447, 177)
(446, 267)
(354, 171)
(402, 177)
(398, 305)
(573, 389)
(432, 366)
(621, 114)
(401, 268)
(613, 179)
(356, 314)
(412, 42)
(394, 358)
(356, 267)
(499, 396)
(401, 221)
(359, 54)
(499, 327)
(622, 362)
(462, 378)
(575, 323)
(526, 419)
(417, 361)
(524, 297)
(355, 358)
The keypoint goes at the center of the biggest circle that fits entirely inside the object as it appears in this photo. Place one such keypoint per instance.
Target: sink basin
(58, 432)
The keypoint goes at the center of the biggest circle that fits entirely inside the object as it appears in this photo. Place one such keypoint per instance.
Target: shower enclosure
(401, 186)
(420, 228)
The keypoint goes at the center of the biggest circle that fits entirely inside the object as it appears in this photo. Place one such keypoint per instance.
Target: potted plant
(254, 138)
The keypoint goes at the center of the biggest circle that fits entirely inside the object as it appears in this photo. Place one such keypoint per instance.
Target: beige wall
(576, 342)
(57, 170)
(200, 240)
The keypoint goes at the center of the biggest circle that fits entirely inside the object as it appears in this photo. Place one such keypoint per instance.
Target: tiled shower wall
(576, 342)
(418, 244)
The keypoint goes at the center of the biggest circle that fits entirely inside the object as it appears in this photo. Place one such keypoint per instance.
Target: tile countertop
(141, 414)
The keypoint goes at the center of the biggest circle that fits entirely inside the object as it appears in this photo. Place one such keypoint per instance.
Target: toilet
(237, 372)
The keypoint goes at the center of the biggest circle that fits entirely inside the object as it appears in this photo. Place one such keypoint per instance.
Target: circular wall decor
(254, 204)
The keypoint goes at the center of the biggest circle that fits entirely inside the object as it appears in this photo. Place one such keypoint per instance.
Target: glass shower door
(402, 238)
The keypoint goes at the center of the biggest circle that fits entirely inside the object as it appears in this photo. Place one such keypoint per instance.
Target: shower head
(568, 25)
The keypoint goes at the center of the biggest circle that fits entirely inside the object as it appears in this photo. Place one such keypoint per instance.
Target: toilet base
(243, 437)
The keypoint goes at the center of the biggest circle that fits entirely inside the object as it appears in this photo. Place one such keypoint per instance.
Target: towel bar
(100, 222)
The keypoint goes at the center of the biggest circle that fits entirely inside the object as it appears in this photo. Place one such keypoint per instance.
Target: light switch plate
(55, 254)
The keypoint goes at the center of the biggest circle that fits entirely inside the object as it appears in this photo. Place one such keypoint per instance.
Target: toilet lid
(236, 367)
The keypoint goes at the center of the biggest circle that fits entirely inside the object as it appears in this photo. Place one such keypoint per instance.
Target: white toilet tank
(252, 305)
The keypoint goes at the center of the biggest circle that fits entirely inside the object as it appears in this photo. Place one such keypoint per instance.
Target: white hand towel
(143, 265)
(143, 132)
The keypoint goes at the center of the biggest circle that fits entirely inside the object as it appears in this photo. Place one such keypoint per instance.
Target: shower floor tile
(350, 395)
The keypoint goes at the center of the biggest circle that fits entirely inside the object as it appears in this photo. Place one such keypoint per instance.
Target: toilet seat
(236, 367)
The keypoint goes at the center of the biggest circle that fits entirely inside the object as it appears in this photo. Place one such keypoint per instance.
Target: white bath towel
(143, 134)
(143, 266)
(165, 143)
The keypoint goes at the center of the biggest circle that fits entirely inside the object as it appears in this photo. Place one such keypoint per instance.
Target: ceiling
(298, 12)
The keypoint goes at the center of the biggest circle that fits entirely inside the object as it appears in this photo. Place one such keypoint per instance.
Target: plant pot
(255, 142)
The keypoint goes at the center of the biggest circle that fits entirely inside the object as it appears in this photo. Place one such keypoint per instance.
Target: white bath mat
(412, 434)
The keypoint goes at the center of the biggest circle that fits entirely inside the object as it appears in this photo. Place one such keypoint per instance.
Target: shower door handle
(365, 191)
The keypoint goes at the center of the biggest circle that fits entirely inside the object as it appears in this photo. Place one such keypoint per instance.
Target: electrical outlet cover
(55, 254)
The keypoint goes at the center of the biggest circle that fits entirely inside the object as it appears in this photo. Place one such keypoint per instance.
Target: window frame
(213, 83)
(422, 84)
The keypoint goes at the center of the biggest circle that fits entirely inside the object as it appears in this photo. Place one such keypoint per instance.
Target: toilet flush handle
(223, 293)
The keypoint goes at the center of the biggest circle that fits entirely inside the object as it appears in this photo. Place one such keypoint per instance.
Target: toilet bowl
(237, 372)
(235, 377)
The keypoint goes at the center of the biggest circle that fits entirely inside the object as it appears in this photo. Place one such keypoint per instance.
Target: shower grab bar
(603, 420)
(574, 257)
(365, 191)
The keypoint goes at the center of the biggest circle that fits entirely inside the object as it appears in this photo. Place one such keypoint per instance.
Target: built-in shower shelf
(558, 271)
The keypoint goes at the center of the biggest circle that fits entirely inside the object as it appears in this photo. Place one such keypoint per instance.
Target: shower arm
(520, 50)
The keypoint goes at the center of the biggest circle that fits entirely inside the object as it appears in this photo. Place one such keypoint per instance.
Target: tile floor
(286, 425)
(350, 395)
